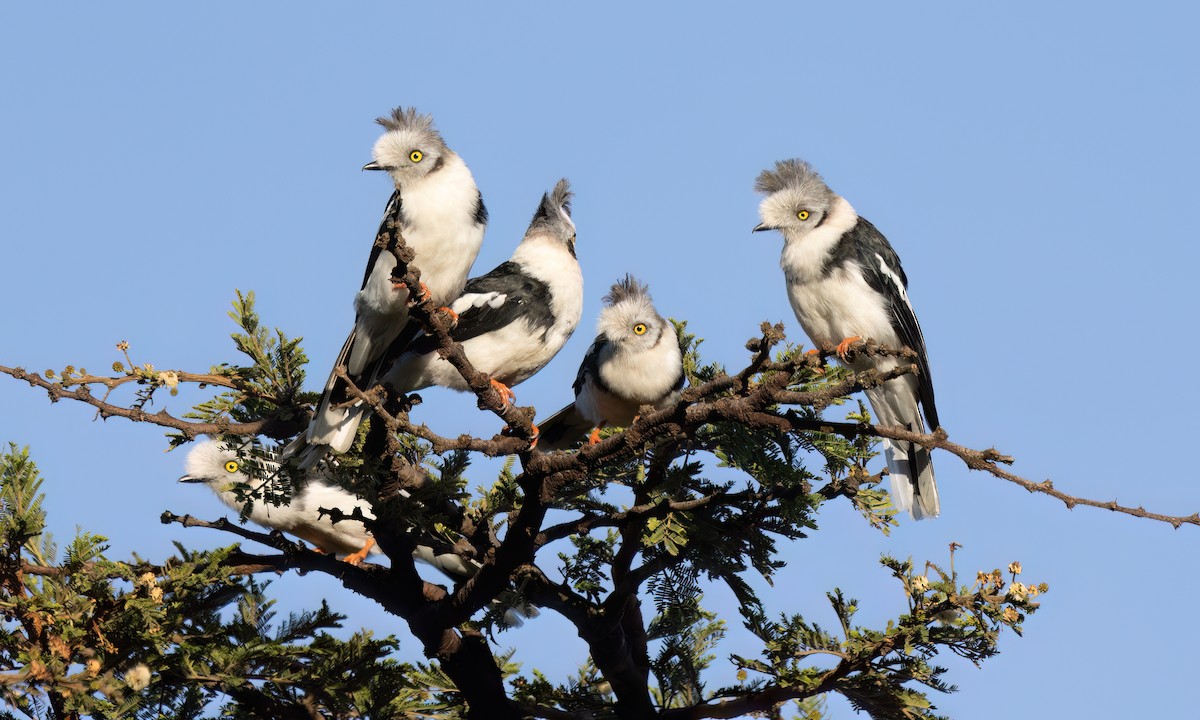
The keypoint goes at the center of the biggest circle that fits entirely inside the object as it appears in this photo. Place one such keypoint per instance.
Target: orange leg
(844, 346)
(533, 441)
(814, 351)
(453, 315)
(506, 395)
(358, 557)
(594, 437)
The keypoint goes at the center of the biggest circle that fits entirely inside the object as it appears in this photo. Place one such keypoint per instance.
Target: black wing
(503, 296)
(388, 225)
(881, 267)
(590, 364)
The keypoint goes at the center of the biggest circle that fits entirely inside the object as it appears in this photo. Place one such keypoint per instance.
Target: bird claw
(533, 441)
(844, 346)
(594, 436)
(453, 315)
(506, 395)
(424, 291)
(356, 558)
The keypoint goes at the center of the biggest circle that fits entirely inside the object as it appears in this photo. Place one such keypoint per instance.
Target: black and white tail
(895, 403)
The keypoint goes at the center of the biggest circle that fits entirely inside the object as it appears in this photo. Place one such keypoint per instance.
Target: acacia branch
(990, 460)
(191, 429)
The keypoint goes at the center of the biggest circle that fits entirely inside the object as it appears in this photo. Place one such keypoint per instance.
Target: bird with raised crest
(845, 284)
(634, 362)
(439, 213)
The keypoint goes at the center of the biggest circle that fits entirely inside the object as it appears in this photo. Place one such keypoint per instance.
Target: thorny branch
(438, 324)
(758, 396)
(273, 427)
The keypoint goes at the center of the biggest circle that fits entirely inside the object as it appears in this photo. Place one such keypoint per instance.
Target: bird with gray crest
(634, 362)
(845, 284)
(438, 211)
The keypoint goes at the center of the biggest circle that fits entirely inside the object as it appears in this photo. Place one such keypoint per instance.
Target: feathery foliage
(694, 498)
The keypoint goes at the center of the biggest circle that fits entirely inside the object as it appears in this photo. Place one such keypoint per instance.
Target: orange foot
(506, 395)
(594, 436)
(404, 286)
(453, 315)
(358, 557)
(844, 346)
(533, 428)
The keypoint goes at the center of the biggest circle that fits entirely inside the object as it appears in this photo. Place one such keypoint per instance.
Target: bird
(845, 283)
(240, 473)
(439, 212)
(227, 471)
(511, 321)
(634, 361)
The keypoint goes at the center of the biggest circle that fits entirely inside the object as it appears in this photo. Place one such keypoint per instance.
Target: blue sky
(1029, 162)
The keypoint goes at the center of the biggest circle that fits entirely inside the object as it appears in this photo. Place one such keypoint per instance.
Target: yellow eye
(231, 466)
(639, 329)
(803, 214)
(416, 155)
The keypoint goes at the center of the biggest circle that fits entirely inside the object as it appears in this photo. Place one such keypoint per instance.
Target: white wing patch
(896, 282)
(475, 300)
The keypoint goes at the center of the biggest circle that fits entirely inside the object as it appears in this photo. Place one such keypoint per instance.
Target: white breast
(548, 260)
(441, 230)
(841, 304)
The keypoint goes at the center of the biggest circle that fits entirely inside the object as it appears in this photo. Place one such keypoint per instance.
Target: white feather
(833, 304)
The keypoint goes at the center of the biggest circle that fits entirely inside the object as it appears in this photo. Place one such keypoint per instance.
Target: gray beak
(191, 479)
(762, 226)
(372, 166)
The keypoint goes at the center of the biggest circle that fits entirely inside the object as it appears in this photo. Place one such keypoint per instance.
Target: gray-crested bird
(845, 283)
(634, 361)
(511, 321)
(439, 212)
(226, 470)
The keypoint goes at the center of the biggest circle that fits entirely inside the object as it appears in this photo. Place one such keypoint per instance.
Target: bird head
(213, 464)
(410, 149)
(553, 217)
(797, 199)
(221, 466)
(629, 319)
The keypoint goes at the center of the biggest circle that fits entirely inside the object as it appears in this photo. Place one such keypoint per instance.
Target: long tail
(563, 430)
(895, 403)
(334, 424)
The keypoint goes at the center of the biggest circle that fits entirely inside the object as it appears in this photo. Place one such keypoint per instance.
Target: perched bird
(439, 212)
(634, 361)
(511, 321)
(221, 468)
(845, 283)
(218, 466)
